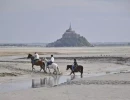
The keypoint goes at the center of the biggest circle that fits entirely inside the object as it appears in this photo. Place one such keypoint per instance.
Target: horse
(52, 66)
(79, 68)
(38, 63)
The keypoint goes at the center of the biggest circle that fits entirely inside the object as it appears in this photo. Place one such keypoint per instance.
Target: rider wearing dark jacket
(75, 65)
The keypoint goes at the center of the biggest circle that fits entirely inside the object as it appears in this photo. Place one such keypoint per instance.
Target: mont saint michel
(70, 39)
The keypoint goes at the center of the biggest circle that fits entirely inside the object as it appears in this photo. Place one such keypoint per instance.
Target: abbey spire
(70, 27)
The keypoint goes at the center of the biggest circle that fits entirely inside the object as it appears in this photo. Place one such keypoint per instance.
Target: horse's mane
(30, 54)
(69, 65)
(32, 57)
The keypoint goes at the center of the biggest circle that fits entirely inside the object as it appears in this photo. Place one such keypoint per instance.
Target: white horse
(52, 66)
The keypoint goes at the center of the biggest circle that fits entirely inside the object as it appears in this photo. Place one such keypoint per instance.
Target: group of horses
(54, 66)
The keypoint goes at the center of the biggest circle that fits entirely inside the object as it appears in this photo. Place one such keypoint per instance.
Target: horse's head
(45, 59)
(29, 56)
(68, 66)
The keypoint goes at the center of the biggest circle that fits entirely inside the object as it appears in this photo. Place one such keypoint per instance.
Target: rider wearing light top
(36, 57)
(51, 61)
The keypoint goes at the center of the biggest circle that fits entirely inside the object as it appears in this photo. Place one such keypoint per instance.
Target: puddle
(48, 81)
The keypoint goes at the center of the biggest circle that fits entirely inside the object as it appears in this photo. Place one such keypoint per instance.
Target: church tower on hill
(70, 39)
(69, 33)
(70, 29)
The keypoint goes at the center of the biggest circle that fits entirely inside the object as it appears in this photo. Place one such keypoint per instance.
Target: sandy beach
(106, 74)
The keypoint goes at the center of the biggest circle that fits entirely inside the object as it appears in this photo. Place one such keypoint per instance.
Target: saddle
(50, 63)
(35, 61)
(75, 67)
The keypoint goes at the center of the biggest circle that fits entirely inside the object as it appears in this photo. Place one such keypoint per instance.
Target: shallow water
(48, 81)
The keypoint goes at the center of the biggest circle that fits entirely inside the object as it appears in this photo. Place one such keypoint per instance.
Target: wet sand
(106, 74)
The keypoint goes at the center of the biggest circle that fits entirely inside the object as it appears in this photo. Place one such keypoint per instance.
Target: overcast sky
(44, 21)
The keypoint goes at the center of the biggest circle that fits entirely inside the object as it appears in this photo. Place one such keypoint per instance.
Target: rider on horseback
(36, 57)
(75, 65)
(51, 61)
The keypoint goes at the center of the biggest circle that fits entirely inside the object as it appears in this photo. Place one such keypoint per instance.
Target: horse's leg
(81, 72)
(74, 73)
(71, 72)
(32, 67)
(55, 70)
(41, 68)
(44, 68)
(81, 75)
(58, 69)
(49, 70)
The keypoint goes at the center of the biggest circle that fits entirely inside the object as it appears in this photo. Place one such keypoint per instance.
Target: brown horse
(38, 63)
(79, 68)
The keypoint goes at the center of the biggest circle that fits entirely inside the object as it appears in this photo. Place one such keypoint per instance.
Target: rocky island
(70, 39)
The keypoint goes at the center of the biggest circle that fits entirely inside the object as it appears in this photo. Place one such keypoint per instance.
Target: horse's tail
(81, 71)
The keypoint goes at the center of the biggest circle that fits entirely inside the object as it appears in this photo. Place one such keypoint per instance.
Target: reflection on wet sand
(50, 81)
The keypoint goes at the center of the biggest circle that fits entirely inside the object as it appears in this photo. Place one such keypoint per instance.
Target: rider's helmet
(74, 59)
(51, 55)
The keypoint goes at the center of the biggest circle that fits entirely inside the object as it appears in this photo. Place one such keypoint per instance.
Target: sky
(45, 21)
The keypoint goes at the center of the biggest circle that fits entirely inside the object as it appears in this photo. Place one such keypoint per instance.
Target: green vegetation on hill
(70, 40)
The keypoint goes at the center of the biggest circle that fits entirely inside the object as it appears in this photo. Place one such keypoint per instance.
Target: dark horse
(79, 68)
(38, 63)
